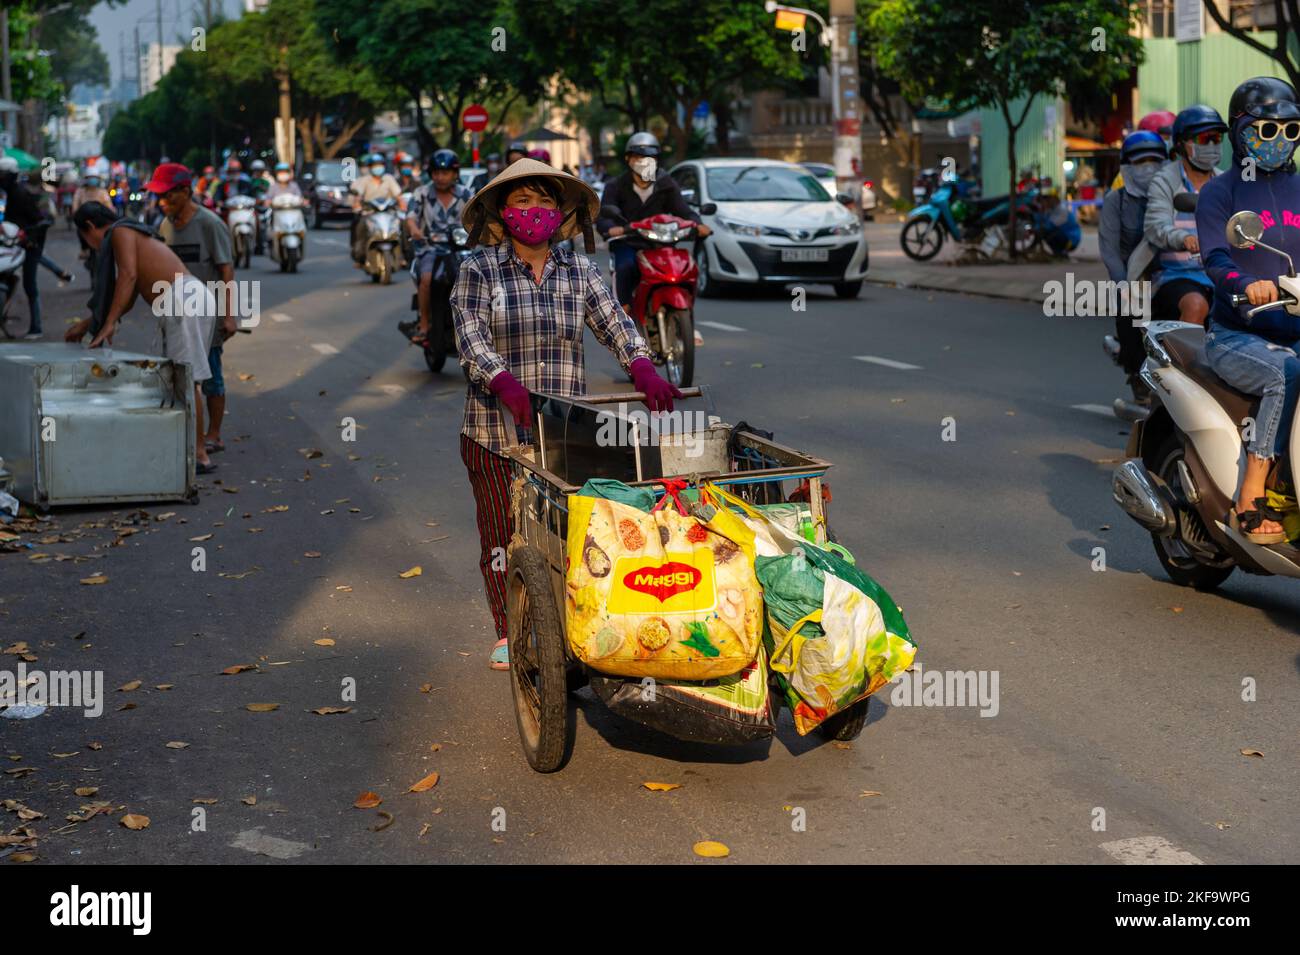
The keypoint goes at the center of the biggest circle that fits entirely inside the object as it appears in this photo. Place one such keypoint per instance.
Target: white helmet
(8, 164)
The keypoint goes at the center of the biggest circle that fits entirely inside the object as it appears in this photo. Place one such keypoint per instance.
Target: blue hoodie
(1276, 197)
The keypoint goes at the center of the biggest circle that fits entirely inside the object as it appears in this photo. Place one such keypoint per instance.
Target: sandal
(499, 658)
(214, 447)
(1246, 523)
(201, 468)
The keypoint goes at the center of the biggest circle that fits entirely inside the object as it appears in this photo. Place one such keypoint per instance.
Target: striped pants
(489, 477)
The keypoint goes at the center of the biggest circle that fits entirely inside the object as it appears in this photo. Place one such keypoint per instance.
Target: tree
(721, 46)
(1004, 55)
(1286, 17)
(283, 47)
(456, 53)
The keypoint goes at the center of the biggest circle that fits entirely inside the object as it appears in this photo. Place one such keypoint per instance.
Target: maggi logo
(664, 581)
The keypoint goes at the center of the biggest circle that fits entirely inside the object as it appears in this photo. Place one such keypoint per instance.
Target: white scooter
(241, 219)
(288, 231)
(1186, 459)
(381, 241)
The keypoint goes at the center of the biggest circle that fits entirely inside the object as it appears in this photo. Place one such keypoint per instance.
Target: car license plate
(805, 255)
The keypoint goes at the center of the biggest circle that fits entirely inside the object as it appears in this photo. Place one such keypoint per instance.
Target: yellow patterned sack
(658, 593)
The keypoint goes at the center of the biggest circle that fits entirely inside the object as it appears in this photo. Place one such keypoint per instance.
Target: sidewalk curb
(1009, 295)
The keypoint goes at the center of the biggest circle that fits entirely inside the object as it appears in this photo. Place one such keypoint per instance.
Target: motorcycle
(12, 255)
(979, 224)
(408, 246)
(288, 232)
(1179, 480)
(241, 219)
(380, 239)
(448, 257)
(664, 302)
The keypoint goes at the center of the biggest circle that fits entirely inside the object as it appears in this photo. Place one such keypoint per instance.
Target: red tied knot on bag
(672, 489)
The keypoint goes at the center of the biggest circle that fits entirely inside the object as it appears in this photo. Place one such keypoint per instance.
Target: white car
(772, 222)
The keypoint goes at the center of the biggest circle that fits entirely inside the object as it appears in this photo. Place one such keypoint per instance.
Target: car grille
(767, 259)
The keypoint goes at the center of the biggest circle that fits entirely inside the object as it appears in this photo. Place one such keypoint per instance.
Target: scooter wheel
(921, 239)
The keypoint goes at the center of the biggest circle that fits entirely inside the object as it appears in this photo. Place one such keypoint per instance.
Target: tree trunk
(308, 143)
(330, 150)
(722, 128)
(1011, 171)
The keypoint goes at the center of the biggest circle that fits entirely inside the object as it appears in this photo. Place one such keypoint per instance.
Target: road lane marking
(338, 242)
(1096, 409)
(325, 349)
(281, 317)
(887, 362)
(1148, 850)
(723, 326)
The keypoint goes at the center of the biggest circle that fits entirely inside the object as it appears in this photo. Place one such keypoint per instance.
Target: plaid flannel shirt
(507, 321)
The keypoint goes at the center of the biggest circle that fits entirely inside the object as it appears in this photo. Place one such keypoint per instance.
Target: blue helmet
(1142, 145)
(1197, 119)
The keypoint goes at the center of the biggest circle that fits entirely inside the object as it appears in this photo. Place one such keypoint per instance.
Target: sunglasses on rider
(1207, 138)
(1269, 130)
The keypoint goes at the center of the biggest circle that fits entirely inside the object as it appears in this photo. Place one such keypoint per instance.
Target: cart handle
(625, 396)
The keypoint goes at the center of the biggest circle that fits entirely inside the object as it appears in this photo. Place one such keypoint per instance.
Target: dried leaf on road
(311, 453)
(262, 707)
(135, 822)
(869, 792)
(245, 376)
(662, 787)
(344, 588)
(164, 686)
(86, 791)
(204, 802)
(839, 745)
(275, 509)
(96, 579)
(95, 746)
(367, 800)
(426, 687)
(424, 829)
(425, 784)
(177, 744)
(711, 850)
(249, 800)
(330, 710)
(415, 571)
(324, 642)
(201, 537)
(388, 821)
(238, 668)
(129, 687)
(312, 553)
(1252, 752)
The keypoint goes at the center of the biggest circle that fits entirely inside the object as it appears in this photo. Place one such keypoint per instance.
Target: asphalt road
(1119, 722)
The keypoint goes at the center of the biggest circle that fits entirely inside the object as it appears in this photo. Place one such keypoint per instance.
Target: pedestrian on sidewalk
(202, 242)
(519, 307)
(133, 261)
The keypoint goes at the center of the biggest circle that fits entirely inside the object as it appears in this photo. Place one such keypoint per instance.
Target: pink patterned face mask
(533, 225)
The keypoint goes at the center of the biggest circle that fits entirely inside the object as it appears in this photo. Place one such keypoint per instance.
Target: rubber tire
(848, 289)
(434, 359)
(1198, 577)
(435, 352)
(313, 219)
(686, 329)
(293, 261)
(712, 288)
(915, 225)
(546, 735)
(388, 268)
(847, 724)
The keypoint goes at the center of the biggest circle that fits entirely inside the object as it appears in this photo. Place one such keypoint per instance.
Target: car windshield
(764, 184)
(820, 170)
(330, 174)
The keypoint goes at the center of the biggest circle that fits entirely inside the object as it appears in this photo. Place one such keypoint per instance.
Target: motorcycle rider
(375, 184)
(1123, 214)
(1181, 286)
(435, 210)
(407, 178)
(284, 184)
(642, 191)
(1256, 355)
(234, 183)
(21, 209)
(261, 182)
(494, 166)
(516, 151)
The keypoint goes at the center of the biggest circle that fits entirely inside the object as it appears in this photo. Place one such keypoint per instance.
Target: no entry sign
(475, 118)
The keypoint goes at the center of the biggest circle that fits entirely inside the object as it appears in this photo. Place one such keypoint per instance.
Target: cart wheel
(538, 681)
(847, 724)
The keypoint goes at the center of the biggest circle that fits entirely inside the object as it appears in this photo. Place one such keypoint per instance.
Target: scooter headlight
(459, 236)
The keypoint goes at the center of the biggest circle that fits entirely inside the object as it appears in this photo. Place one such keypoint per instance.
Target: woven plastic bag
(660, 594)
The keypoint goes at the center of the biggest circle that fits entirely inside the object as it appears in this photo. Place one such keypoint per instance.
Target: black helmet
(1264, 97)
(518, 147)
(641, 144)
(444, 159)
(1197, 119)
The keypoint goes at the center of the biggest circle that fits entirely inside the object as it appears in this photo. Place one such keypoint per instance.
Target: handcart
(543, 669)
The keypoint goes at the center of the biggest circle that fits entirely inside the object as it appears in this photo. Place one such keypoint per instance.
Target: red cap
(169, 176)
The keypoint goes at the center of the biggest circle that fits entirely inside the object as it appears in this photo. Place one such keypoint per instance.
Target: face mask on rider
(376, 171)
(533, 225)
(283, 176)
(644, 167)
(1140, 174)
(1269, 155)
(1204, 157)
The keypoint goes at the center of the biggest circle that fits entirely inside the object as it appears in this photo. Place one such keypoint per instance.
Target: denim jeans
(1259, 367)
(627, 273)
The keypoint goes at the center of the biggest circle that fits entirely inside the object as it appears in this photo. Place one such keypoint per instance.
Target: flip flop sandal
(214, 447)
(499, 658)
(1246, 522)
(208, 468)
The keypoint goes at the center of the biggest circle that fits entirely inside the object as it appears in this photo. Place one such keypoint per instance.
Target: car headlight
(852, 227)
(740, 228)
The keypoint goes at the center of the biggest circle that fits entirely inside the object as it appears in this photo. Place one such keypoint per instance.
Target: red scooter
(664, 301)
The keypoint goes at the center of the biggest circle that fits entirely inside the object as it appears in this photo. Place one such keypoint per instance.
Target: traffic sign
(474, 118)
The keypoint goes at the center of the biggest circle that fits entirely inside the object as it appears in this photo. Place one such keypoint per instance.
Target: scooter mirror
(611, 212)
(1185, 202)
(708, 208)
(1244, 229)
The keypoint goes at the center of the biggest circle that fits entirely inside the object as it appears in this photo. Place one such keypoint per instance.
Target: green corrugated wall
(1035, 143)
(1176, 74)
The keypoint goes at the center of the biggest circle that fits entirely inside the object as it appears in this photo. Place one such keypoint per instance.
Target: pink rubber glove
(514, 396)
(659, 394)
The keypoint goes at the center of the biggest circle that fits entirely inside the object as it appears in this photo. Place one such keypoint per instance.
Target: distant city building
(150, 71)
(75, 134)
